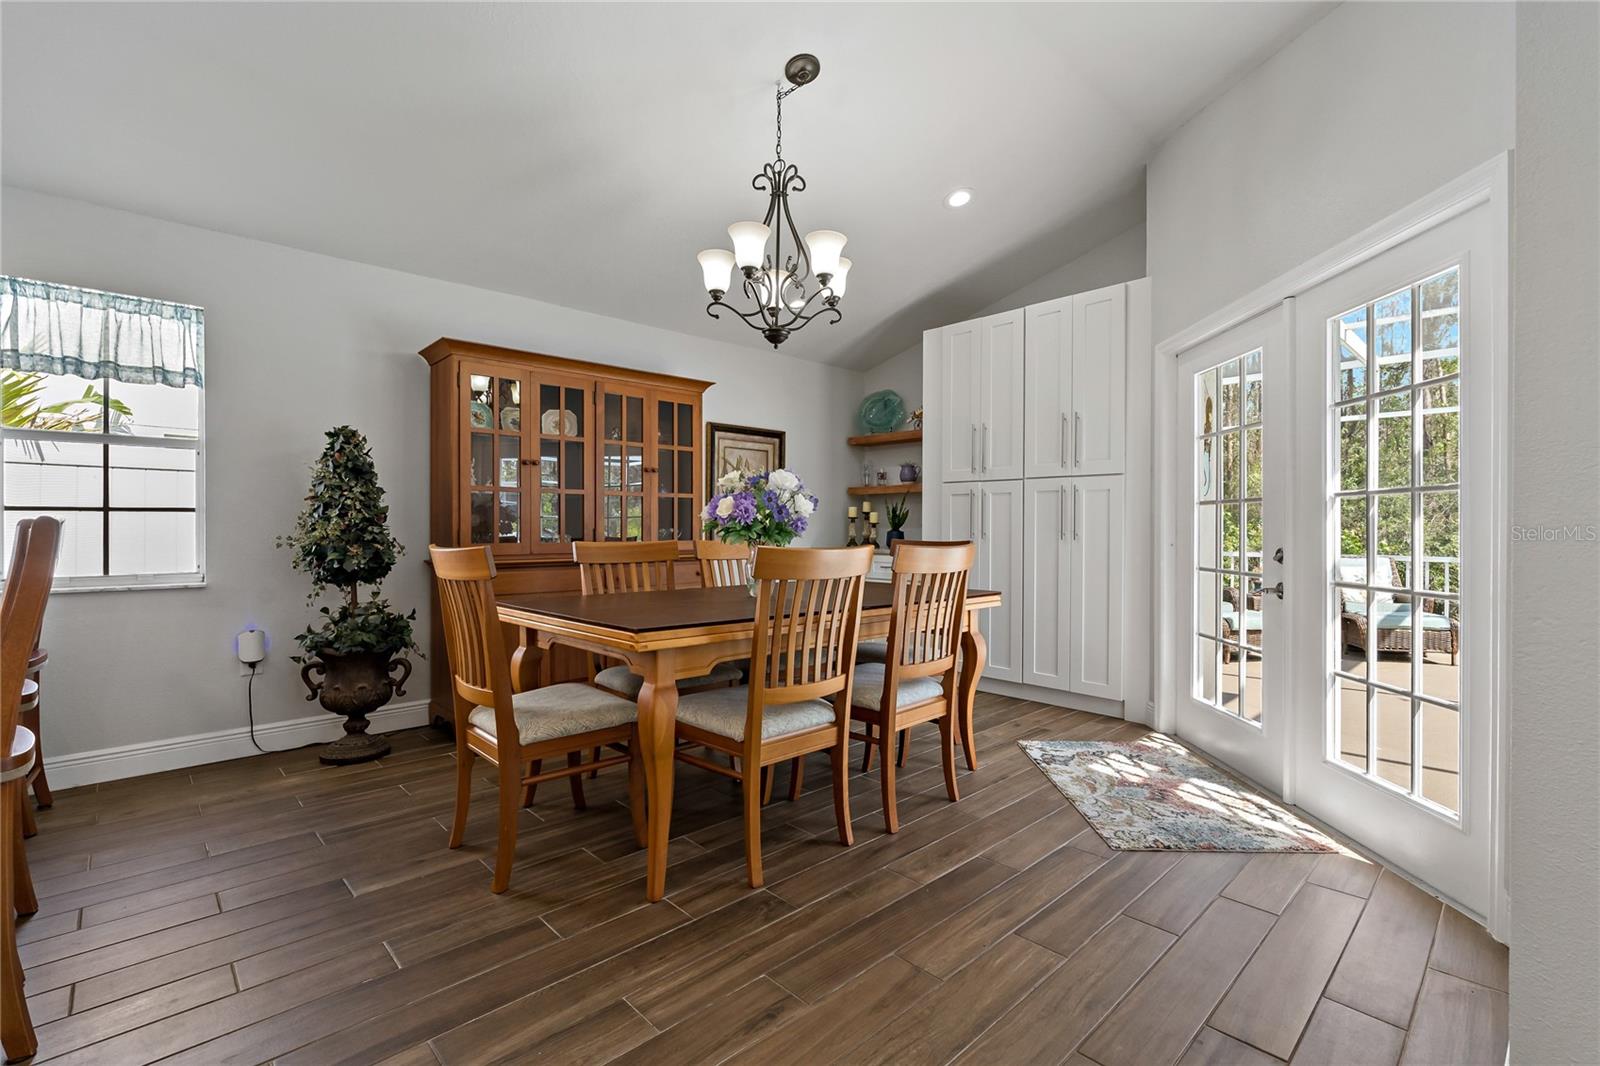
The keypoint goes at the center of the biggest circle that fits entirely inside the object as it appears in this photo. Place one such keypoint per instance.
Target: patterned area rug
(1156, 795)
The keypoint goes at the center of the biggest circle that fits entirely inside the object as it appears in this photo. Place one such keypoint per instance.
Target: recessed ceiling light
(959, 198)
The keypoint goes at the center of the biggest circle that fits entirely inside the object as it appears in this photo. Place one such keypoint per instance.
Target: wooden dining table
(671, 634)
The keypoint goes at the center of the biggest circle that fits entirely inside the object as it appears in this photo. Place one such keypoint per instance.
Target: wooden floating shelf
(894, 489)
(899, 436)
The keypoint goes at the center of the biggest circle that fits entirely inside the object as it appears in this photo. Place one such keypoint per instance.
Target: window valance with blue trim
(62, 329)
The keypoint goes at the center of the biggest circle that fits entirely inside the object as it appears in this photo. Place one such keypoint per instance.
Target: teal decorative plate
(482, 417)
(882, 412)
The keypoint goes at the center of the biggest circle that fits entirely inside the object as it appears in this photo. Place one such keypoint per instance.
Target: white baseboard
(154, 756)
(1072, 701)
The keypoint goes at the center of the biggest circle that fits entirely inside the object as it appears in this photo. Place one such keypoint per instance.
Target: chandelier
(784, 290)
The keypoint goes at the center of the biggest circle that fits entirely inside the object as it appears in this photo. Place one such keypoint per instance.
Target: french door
(1395, 509)
(1232, 511)
(1339, 524)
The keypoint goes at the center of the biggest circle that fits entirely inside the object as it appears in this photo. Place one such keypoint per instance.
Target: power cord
(250, 708)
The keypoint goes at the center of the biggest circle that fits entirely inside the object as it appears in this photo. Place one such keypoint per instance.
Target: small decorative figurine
(916, 419)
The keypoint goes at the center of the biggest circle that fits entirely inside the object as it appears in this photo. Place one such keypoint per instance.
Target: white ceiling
(582, 154)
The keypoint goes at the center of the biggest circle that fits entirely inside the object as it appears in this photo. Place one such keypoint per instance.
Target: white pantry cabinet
(990, 515)
(1037, 432)
(1076, 384)
(1073, 610)
(981, 367)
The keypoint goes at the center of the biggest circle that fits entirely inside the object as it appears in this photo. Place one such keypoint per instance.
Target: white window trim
(1488, 183)
(132, 582)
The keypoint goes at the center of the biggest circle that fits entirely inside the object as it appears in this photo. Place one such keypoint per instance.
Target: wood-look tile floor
(272, 909)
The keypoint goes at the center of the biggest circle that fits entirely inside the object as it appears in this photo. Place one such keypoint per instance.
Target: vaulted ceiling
(583, 153)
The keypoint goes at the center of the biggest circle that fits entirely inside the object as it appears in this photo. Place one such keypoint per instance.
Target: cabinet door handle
(1061, 506)
(986, 446)
(983, 511)
(1077, 440)
(1063, 440)
(974, 446)
(1074, 512)
(972, 515)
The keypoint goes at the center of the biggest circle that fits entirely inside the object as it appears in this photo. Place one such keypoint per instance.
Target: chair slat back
(808, 609)
(33, 564)
(473, 639)
(930, 595)
(723, 565)
(629, 566)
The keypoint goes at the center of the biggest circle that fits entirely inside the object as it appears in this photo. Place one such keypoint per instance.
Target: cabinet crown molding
(450, 347)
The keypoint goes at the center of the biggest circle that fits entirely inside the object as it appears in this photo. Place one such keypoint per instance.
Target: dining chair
(917, 682)
(516, 729)
(636, 566)
(807, 611)
(27, 591)
(723, 565)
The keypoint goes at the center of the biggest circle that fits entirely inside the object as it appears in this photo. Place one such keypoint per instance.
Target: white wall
(1554, 825)
(1370, 109)
(1119, 259)
(297, 343)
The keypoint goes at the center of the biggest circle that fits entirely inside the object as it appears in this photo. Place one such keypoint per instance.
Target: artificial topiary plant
(343, 541)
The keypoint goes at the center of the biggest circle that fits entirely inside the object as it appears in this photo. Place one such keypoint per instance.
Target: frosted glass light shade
(836, 283)
(749, 243)
(825, 246)
(716, 264)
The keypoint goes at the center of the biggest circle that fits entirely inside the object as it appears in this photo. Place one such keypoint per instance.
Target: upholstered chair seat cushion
(872, 651)
(867, 689)
(557, 711)
(722, 711)
(622, 680)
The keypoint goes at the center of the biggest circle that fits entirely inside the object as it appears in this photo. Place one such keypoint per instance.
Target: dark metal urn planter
(355, 685)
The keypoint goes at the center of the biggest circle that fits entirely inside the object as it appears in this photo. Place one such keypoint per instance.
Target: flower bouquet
(771, 507)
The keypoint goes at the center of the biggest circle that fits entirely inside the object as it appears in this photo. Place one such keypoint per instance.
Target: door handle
(972, 515)
(1276, 590)
(974, 445)
(1061, 506)
(1063, 441)
(1074, 512)
(986, 446)
(1277, 556)
(983, 512)
(1077, 440)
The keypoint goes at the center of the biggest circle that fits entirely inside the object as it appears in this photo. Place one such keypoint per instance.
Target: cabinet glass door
(495, 463)
(622, 465)
(675, 468)
(562, 436)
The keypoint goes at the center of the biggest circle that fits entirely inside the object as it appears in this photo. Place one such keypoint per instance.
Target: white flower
(725, 507)
(730, 481)
(783, 480)
(804, 504)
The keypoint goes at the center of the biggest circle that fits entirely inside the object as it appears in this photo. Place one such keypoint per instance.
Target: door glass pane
(635, 418)
(685, 518)
(666, 528)
(510, 404)
(611, 518)
(1395, 597)
(549, 463)
(612, 474)
(481, 468)
(572, 527)
(685, 425)
(634, 529)
(686, 472)
(550, 409)
(635, 470)
(510, 461)
(666, 463)
(666, 425)
(612, 429)
(510, 517)
(549, 520)
(572, 476)
(1229, 536)
(572, 414)
(481, 505)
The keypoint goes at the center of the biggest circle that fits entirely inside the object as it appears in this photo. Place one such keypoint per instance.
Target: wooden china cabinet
(531, 452)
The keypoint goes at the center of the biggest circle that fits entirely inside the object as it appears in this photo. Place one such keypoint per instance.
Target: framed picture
(742, 448)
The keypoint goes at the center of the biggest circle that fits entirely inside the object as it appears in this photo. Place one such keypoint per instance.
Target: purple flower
(744, 508)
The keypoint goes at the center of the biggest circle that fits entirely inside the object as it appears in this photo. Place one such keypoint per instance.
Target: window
(102, 429)
(1395, 587)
